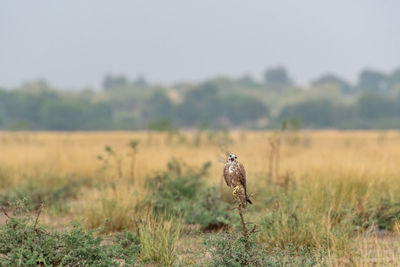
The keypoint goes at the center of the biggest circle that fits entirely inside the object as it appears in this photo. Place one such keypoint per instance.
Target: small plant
(221, 138)
(118, 159)
(105, 160)
(133, 144)
(198, 136)
(275, 147)
(162, 125)
(292, 127)
(166, 125)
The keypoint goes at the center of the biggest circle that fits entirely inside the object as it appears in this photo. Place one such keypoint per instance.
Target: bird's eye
(235, 157)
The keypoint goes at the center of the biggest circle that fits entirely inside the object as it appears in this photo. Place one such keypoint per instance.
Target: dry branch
(5, 212)
(36, 221)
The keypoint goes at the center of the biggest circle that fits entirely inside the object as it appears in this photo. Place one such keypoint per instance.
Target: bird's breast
(231, 169)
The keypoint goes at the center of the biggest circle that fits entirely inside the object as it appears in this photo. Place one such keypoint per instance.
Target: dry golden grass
(364, 154)
(367, 162)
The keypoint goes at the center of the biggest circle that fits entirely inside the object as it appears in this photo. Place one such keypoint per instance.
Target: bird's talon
(235, 190)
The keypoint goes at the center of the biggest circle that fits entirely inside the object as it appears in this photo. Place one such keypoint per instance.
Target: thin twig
(136, 222)
(37, 215)
(254, 229)
(221, 184)
(133, 157)
(228, 237)
(246, 244)
(36, 221)
(243, 222)
(5, 212)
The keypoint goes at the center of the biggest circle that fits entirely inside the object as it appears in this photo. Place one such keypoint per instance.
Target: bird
(235, 178)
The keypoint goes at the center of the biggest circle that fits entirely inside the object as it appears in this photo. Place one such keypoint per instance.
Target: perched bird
(235, 178)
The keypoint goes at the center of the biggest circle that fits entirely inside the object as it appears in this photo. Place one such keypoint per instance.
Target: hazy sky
(73, 43)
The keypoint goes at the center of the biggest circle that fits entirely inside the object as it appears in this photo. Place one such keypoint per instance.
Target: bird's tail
(248, 200)
(247, 197)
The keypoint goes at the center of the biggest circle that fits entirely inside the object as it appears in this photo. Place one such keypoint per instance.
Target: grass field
(333, 199)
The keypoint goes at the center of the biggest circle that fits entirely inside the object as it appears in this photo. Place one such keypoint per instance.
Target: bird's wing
(242, 175)
(226, 171)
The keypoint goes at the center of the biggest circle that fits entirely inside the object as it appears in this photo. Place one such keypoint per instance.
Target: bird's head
(232, 158)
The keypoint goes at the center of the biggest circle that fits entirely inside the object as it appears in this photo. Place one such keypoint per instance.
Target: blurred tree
(158, 106)
(202, 105)
(162, 125)
(313, 113)
(140, 81)
(372, 81)
(277, 76)
(62, 115)
(75, 114)
(35, 86)
(110, 82)
(97, 116)
(373, 106)
(332, 80)
(2, 108)
(241, 109)
(394, 78)
(221, 100)
(24, 106)
(247, 81)
(219, 82)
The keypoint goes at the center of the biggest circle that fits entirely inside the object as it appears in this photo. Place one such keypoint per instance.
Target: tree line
(219, 103)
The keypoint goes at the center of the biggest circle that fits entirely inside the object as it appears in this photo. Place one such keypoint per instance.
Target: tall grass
(340, 185)
(159, 240)
(111, 205)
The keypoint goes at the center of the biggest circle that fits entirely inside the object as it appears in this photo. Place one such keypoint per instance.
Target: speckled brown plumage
(235, 176)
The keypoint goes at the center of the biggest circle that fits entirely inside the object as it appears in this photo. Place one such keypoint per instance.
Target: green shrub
(127, 246)
(33, 193)
(181, 192)
(384, 213)
(25, 243)
(230, 250)
(209, 211)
